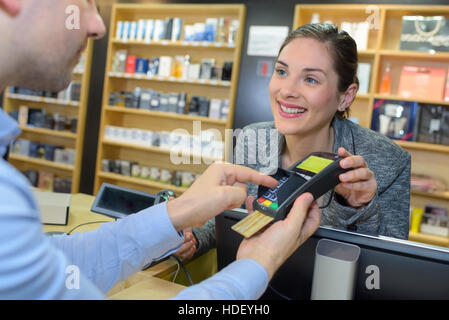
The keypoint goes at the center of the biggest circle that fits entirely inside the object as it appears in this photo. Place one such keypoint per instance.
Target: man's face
(54, 34)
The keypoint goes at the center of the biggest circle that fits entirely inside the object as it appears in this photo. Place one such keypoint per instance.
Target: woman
(312, 87)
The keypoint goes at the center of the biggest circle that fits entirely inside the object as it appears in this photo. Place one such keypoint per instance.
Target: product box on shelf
(435, 221)
(446, 90)
(434, 124)
(422, 82)
(395, 119)
(425, 33)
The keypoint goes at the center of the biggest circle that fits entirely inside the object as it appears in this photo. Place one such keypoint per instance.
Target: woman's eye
(311, 80)
(281, 72)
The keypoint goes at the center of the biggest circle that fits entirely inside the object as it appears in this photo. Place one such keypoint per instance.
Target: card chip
(252, 223)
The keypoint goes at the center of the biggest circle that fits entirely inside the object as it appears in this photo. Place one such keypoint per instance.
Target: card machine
(317, 173)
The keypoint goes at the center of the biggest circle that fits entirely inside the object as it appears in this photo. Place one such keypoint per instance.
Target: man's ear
(10, 7)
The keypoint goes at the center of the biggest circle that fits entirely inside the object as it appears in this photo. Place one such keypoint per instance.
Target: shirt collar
(9, 130)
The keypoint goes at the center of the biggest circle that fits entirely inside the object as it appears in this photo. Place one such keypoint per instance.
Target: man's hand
(221, 187)
(273, 245)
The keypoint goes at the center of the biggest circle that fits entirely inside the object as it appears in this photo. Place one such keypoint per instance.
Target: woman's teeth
(292, 110)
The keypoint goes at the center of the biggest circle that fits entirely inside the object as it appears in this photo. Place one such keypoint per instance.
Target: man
(39, 52)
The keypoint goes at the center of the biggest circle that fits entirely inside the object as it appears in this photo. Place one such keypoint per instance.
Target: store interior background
(249, 107)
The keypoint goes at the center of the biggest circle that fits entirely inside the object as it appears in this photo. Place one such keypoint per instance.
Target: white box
(54, 207)
(159, 30)
(133, 31)
(194, 71)
(363, 73)
(141, 30)
(165, 66)
(119, 30)
(434, 230)
(176, 30)
(149, 30)
(215, 108)
(126, 30)
(359, 32)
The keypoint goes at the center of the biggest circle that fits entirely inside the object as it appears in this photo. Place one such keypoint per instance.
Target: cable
(176, 272)
(83, 224)
(183, 268)
(328, 201)
(279, 294)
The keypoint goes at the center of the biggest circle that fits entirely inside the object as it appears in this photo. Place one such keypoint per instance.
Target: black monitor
(119, 202)
(407, 270)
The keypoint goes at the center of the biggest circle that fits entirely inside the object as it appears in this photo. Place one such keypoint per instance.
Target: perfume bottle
(385, 85)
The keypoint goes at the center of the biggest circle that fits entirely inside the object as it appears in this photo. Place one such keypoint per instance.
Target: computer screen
(405, 270)
(119, 202)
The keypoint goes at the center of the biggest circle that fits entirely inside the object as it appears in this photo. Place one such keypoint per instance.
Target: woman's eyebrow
(305, 69)
(282, 62)
(314, 69)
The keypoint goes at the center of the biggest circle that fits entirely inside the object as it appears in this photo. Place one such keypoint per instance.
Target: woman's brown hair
(343, 50)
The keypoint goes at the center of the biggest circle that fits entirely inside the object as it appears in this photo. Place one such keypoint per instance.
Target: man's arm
(241, 280)
(30, 267)
(260, 256)
(119, 249)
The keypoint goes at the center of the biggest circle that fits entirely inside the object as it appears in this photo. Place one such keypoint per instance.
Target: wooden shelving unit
(382, 48)
(164, 121)
(67, 139)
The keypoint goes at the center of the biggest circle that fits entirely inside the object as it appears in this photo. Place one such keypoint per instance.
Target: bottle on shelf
(385, 84)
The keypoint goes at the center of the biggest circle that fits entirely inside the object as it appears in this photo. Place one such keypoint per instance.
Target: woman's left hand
(358, 186)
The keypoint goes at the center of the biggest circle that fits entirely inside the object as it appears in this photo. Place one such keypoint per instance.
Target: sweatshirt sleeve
(387, 213)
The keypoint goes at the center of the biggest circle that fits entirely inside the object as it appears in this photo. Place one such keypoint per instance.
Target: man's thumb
(300, 208)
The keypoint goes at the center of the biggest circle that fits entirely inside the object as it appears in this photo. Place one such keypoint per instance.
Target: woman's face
(303, 89)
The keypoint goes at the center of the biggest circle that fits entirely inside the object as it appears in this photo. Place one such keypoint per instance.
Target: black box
(203, 107)
(62, 185)
(226, 74)
(434, 124)
(32, 176)
(194, 106)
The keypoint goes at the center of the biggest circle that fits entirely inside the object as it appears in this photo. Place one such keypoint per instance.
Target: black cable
(83, 224)
(279, 294)
(183, 268)
(328, 201)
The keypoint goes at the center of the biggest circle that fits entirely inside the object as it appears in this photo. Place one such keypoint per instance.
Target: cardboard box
(54, 207)
(422, 82)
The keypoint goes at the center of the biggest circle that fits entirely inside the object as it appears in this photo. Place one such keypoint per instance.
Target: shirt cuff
(161, 236)
(251, 277)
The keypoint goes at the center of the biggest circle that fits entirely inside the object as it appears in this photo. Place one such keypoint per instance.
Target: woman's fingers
(361, 174)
